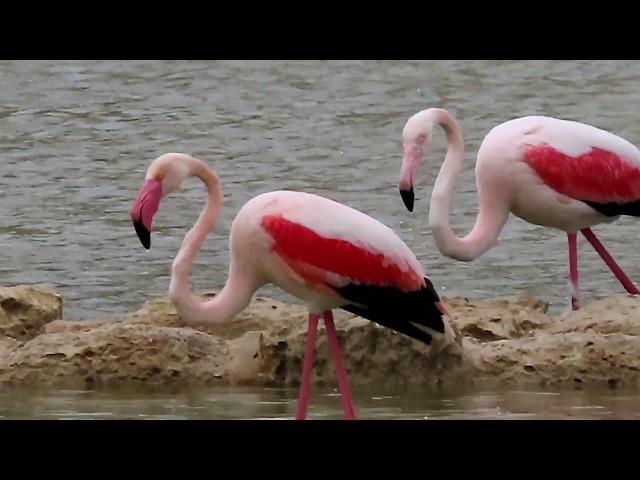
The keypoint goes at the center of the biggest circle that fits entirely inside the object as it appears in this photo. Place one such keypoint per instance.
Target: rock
(617, 314)
(500, 343)
(70, 326)
(372, 355)
(266, 345)
(499, 319)
(575, 359)
(24, 310)
(116, 354)
(245, 358)
(7, 345)
(261, 314)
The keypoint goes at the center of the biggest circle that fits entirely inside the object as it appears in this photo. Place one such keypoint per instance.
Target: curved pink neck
(235, 295)
(493, 212)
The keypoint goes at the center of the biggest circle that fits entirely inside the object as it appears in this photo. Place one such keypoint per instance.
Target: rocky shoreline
(501, 343)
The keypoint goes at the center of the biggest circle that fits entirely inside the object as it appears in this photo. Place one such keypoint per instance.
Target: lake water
(265, 403)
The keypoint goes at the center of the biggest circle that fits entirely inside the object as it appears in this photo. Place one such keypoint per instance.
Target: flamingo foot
(611, 263)
(343, 384)
(309, 354)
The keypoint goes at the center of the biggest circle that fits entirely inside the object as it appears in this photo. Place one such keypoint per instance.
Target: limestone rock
(7, 345)
(500, 343)
(116, 354)
(68, 326)
(616, 314)
(24, 309)
(498, 319)
(261, 314)
(372, 355)
(575, 359)
(245, 359)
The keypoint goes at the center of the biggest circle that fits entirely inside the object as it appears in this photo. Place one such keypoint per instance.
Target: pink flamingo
(549, 172)
(323, 252)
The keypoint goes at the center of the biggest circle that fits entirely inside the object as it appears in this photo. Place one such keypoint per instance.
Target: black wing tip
(437, 323)
(438, 314)
(143, 234)
(614, 209)
(410, 313)
(408, 198)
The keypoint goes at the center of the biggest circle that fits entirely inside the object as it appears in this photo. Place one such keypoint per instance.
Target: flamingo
(324, 253)
(550, 172)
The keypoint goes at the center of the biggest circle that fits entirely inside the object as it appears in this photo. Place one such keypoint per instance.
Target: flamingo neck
(491, 216)
(235, 295)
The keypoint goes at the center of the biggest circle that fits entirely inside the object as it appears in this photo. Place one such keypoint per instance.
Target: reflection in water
(251, 403)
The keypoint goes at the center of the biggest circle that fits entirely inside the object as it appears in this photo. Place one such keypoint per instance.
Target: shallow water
(77, 136)
(252, 403)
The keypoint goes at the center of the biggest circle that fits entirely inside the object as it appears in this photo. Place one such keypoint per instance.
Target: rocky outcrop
(501, 343)
(597, 346)
(7, 345)
(498, 319)
(263, 313)
(115, 354)
(576, 359)
(616, 314)
(24, 309)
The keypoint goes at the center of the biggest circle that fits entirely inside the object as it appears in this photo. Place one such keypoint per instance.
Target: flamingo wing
(588, 164)
(336, 262)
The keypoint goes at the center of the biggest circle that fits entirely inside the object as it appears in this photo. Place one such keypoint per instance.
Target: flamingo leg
(343, 384)
(608, 259)
(573, 270)
(309, 354)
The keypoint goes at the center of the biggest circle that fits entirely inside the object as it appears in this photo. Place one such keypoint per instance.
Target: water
(77, 136)
(264, 403)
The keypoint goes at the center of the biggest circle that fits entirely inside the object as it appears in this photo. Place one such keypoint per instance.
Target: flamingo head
(415, 136)
(165, 174)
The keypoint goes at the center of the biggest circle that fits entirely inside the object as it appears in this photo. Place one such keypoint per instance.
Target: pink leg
(608, 259)
(573, 269)
(343, 384)
(309, 354)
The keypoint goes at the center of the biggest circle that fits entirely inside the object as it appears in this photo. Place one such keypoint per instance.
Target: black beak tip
(143, 234)
(407, 198)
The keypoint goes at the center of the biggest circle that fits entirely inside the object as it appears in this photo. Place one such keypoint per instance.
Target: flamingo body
(559, 173)
(333, 256)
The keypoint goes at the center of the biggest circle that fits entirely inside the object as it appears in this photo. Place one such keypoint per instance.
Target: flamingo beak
(144, 208)
(409, 172)
(407, 197)
(143, 234)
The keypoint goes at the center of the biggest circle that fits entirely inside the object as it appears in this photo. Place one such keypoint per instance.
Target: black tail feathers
(614, 209)
(405, 312)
